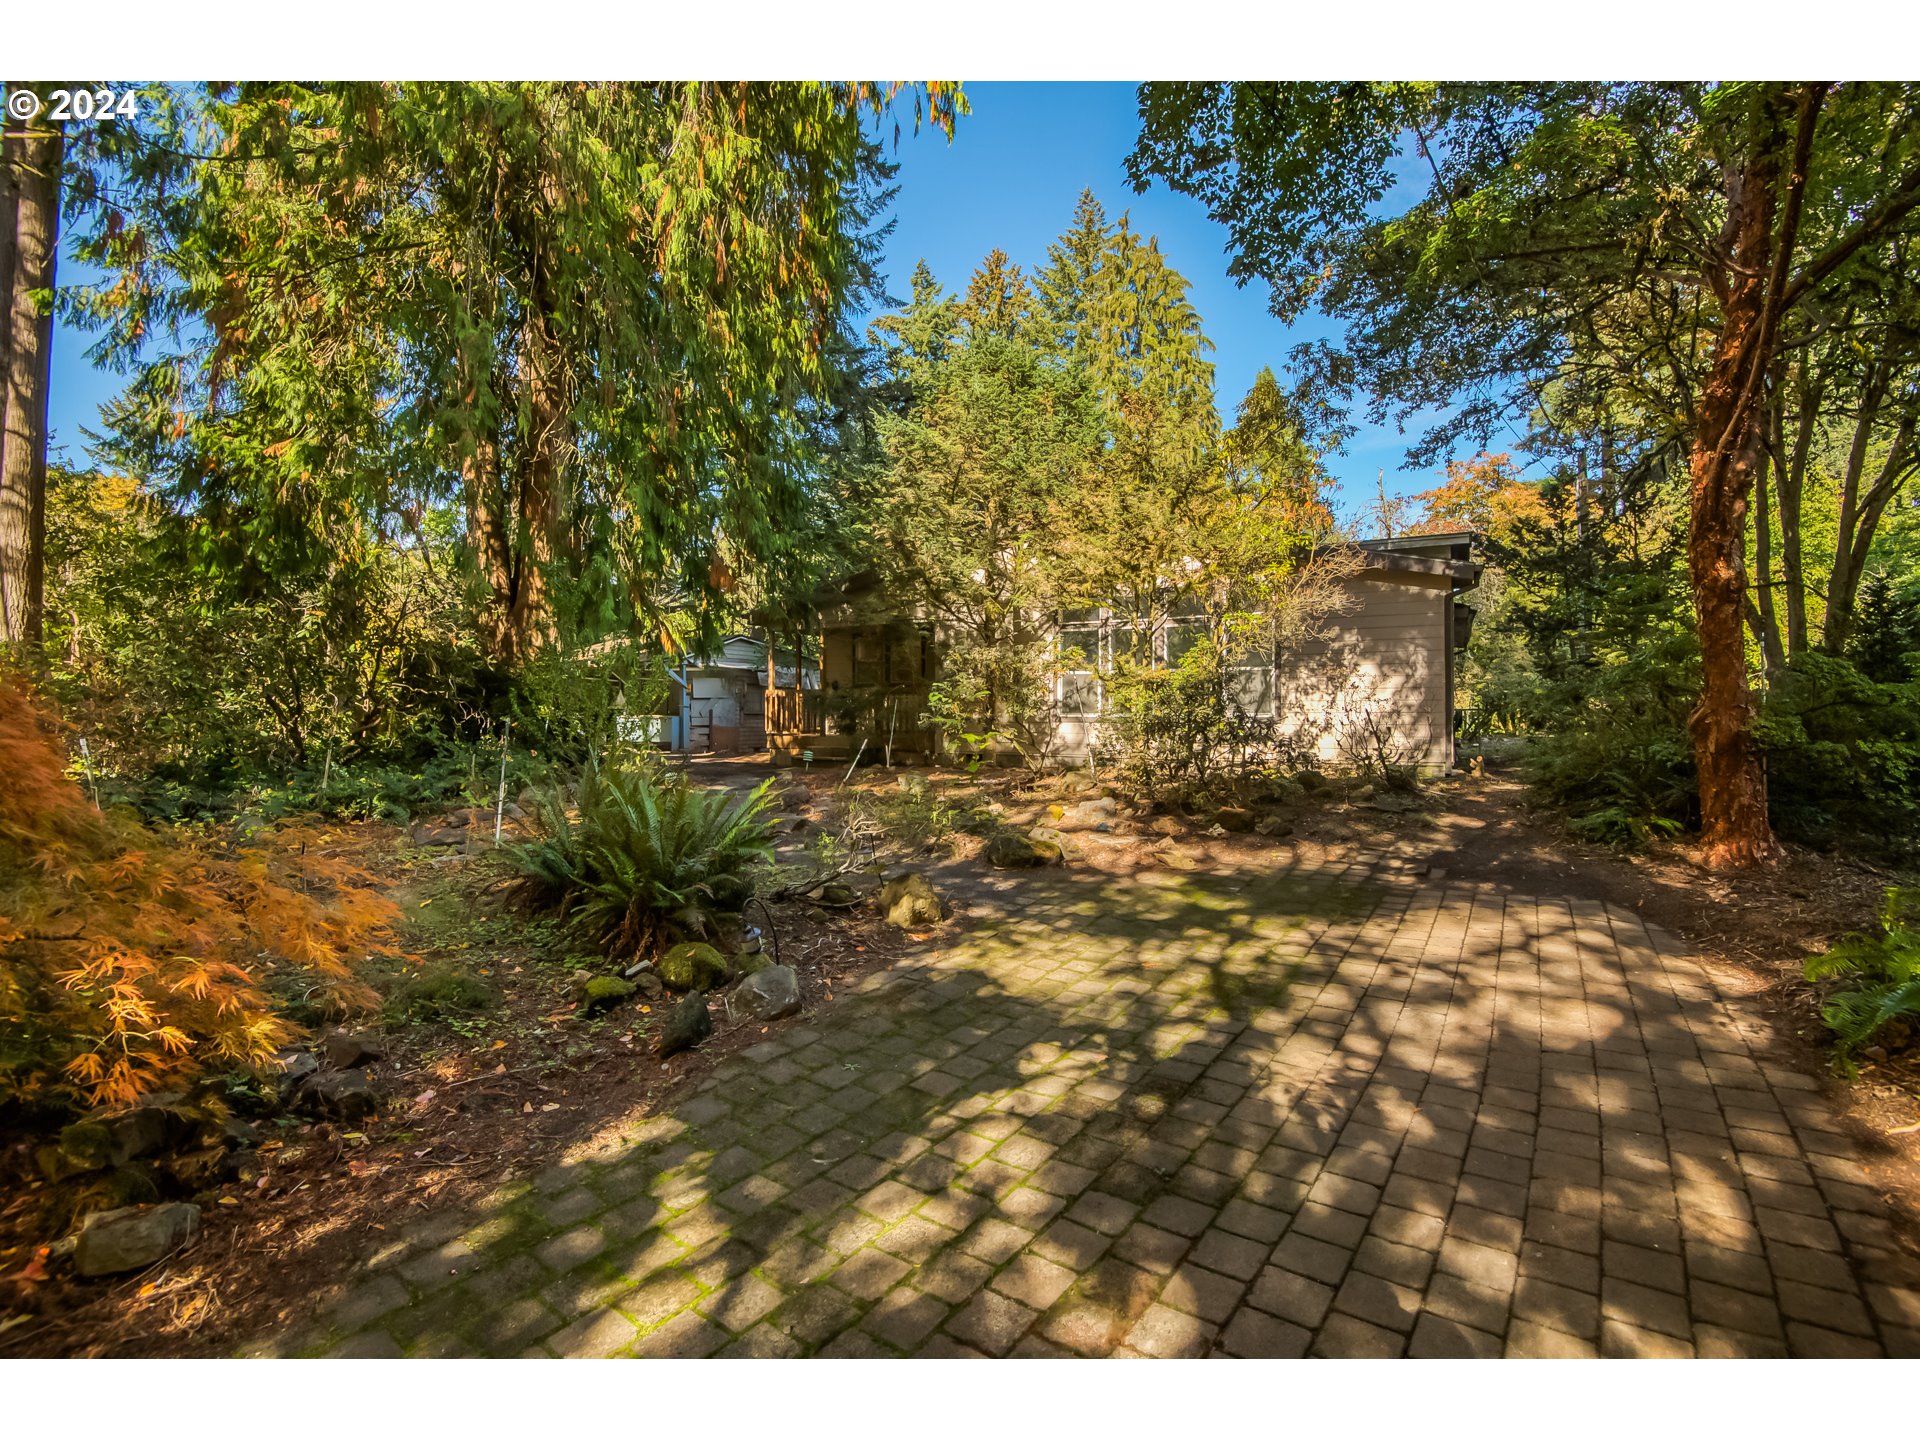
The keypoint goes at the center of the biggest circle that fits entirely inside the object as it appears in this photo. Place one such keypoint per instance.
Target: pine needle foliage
(132, 961)
(641, 853)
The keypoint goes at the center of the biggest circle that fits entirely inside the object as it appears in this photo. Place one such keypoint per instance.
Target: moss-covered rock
(909, 900)
(605, 991)
(86, 1145)
(1010, 850)
(693, 966)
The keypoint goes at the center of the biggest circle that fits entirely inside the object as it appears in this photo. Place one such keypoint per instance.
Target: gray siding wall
(1379, 674)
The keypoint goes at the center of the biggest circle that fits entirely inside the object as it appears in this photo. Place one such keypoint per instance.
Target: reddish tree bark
(1749, 280)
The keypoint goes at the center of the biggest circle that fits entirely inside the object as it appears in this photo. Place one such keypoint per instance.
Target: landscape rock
(911, 900)
(116, 1241)
(1168, 825)
(751, 962)
(84, 1145)
(131, 1184)
(347, 1049)
(1393, 803)
(768, 994)
(838, 894)
(196, 1170)
(605, 991)
(1234, 820)
(688, 1024)
(693, 965)
(240, 1132)
(1273, 826)
(1089, 814)
(1311, 781)
(296, 1065)
(650, 983)
(442, 834)
(1174, 858)
(1010, 850)
(339, 1095)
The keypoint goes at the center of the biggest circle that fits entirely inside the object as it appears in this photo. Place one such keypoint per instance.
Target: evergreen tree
(587, 317)
(1142, 333)
(1064, 285)
(999, 300)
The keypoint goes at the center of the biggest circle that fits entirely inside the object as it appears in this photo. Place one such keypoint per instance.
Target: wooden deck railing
(795, 712)
(879, 716)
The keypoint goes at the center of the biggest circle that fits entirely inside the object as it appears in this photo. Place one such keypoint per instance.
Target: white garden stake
(86, 764)
(500, 805)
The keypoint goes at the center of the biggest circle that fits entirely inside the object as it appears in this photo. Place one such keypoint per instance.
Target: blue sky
(1009, 178)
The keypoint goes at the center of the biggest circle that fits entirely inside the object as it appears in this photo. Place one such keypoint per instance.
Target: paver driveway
(1325, 1112)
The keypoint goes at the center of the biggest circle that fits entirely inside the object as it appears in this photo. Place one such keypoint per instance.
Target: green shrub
(911, 815)
(642, 853)
(439, 993)
(1843, 754)
(1620, 762)
(1176, 733)
(1879, 995)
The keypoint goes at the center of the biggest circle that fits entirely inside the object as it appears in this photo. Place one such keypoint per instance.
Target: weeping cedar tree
(587, 317)
(1665, 240)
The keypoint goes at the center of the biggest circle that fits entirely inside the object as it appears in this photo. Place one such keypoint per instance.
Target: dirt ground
(535, 1080)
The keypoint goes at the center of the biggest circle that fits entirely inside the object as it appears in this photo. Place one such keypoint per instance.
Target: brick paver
(1312, 1112)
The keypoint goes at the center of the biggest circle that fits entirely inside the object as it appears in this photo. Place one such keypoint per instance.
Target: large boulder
(688, 1024)
(768, 994)
(910, 900)
(693, 965)
(116, 1241)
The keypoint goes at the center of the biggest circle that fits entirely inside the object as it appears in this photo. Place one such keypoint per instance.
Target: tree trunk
(33, 153)
(1724, 461)
(1859, 522)
(1766, 623)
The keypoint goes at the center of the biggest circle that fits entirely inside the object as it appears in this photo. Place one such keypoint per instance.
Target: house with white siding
(1376, 675)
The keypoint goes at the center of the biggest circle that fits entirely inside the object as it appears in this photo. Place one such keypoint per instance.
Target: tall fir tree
(1064, 285)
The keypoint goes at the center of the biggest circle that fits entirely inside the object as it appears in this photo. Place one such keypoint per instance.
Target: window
(869, 660)
(1250, 690)
(1182, 636)
(1083, 655)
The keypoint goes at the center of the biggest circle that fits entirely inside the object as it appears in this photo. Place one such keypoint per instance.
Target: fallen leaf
(545, 1109)
(498, 1045)
(228, 1200)
(425, 1097)
(527, 1109)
